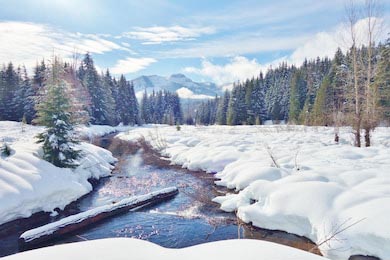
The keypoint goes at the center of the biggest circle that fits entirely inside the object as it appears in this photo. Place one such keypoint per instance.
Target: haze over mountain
(179, 83)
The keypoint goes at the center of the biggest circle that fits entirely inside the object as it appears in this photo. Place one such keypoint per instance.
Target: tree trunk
(357, 131)
(367, 136)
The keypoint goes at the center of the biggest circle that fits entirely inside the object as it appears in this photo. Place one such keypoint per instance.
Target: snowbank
(128, 248)
(29, 184)
(293, 178)
(94, 131)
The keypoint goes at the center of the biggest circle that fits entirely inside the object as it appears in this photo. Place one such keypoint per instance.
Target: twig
(272, 156)
(82, 238)
(296, 160)
(339, 229)
(212, 232)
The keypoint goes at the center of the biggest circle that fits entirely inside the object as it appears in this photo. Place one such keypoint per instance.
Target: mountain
(179, 83)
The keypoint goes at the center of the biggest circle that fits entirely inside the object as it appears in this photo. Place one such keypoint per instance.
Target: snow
(129, 248)
(29, 184)
(94, 131)
(77, 218)
(172, 84)
(318, 188)
(186, 93)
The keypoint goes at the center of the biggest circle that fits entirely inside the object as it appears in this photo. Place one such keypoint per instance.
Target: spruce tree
(231, 111)
(177, 110)
(127, 105)
(258, 100)
(9, 86)
(54, 113)
(294, 109)
(222, 108)
(382, 83)
(297, 96)
(322, 104)
(145, 109)
(276, 112)
(116, 98)
(102, 103)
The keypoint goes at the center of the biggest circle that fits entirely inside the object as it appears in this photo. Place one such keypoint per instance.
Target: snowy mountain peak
(178, 75)
(178, 83)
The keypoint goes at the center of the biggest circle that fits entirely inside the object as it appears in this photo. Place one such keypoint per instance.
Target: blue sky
(220, 41)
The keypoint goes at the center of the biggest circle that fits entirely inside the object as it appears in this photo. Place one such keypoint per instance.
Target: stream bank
(190, 219)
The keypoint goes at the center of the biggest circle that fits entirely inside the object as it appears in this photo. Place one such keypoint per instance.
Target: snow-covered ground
(129, 248)
(93, 131)
(29, 184)
(312, 186)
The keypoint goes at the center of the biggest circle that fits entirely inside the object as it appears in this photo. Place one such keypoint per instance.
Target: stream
(188, 219)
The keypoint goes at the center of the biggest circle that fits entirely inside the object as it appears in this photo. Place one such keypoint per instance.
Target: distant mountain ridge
(179, 83)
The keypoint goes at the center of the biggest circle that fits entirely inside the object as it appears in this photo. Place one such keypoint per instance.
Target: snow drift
(129, 248)
(29, 184)
(293, 178)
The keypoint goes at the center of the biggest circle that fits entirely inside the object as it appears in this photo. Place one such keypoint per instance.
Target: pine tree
(102, 103)
(23, 100)
(203, 113)
(223, 108)
(145, 109)
(322, 105)
(305, 116)
(294, 109)
(276, 112)
(9, 86)
(116, 98)
(39, 74)
(257, 104)
(127, 105)
(29, 99)
(231, 111)
(297, 96)
(382, 83)
(54, 113)
(248, 87)
(177, 110)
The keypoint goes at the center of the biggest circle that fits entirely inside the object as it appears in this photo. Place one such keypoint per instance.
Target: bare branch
(336, 231)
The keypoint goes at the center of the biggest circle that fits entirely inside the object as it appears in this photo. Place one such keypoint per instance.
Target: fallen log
(36, 236)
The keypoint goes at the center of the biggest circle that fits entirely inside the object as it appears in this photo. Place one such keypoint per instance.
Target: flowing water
(188, 219)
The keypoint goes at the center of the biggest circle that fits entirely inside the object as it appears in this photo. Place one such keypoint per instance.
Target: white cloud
(126, 44)
(254, 13)
(187, 93)
(130, 65)
(25, 43)
(237, 45)
(239, 68)
(325, 44)
(321, 44)
(160, 34)
(303, 45)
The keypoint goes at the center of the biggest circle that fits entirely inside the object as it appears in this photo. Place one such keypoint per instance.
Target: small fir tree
(5, 150)
(54, 113)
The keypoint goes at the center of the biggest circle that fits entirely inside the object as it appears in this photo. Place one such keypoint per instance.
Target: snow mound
(293, 178)
(129, 248)
(94, 131)
(29, 184)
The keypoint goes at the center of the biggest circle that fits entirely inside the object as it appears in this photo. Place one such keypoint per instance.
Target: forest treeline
(352, 88)
(327, 92)
(96, 98)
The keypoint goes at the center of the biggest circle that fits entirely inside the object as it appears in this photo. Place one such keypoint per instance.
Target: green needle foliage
(54, 113)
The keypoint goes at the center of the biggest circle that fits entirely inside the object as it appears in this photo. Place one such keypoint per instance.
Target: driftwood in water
(34, 237)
